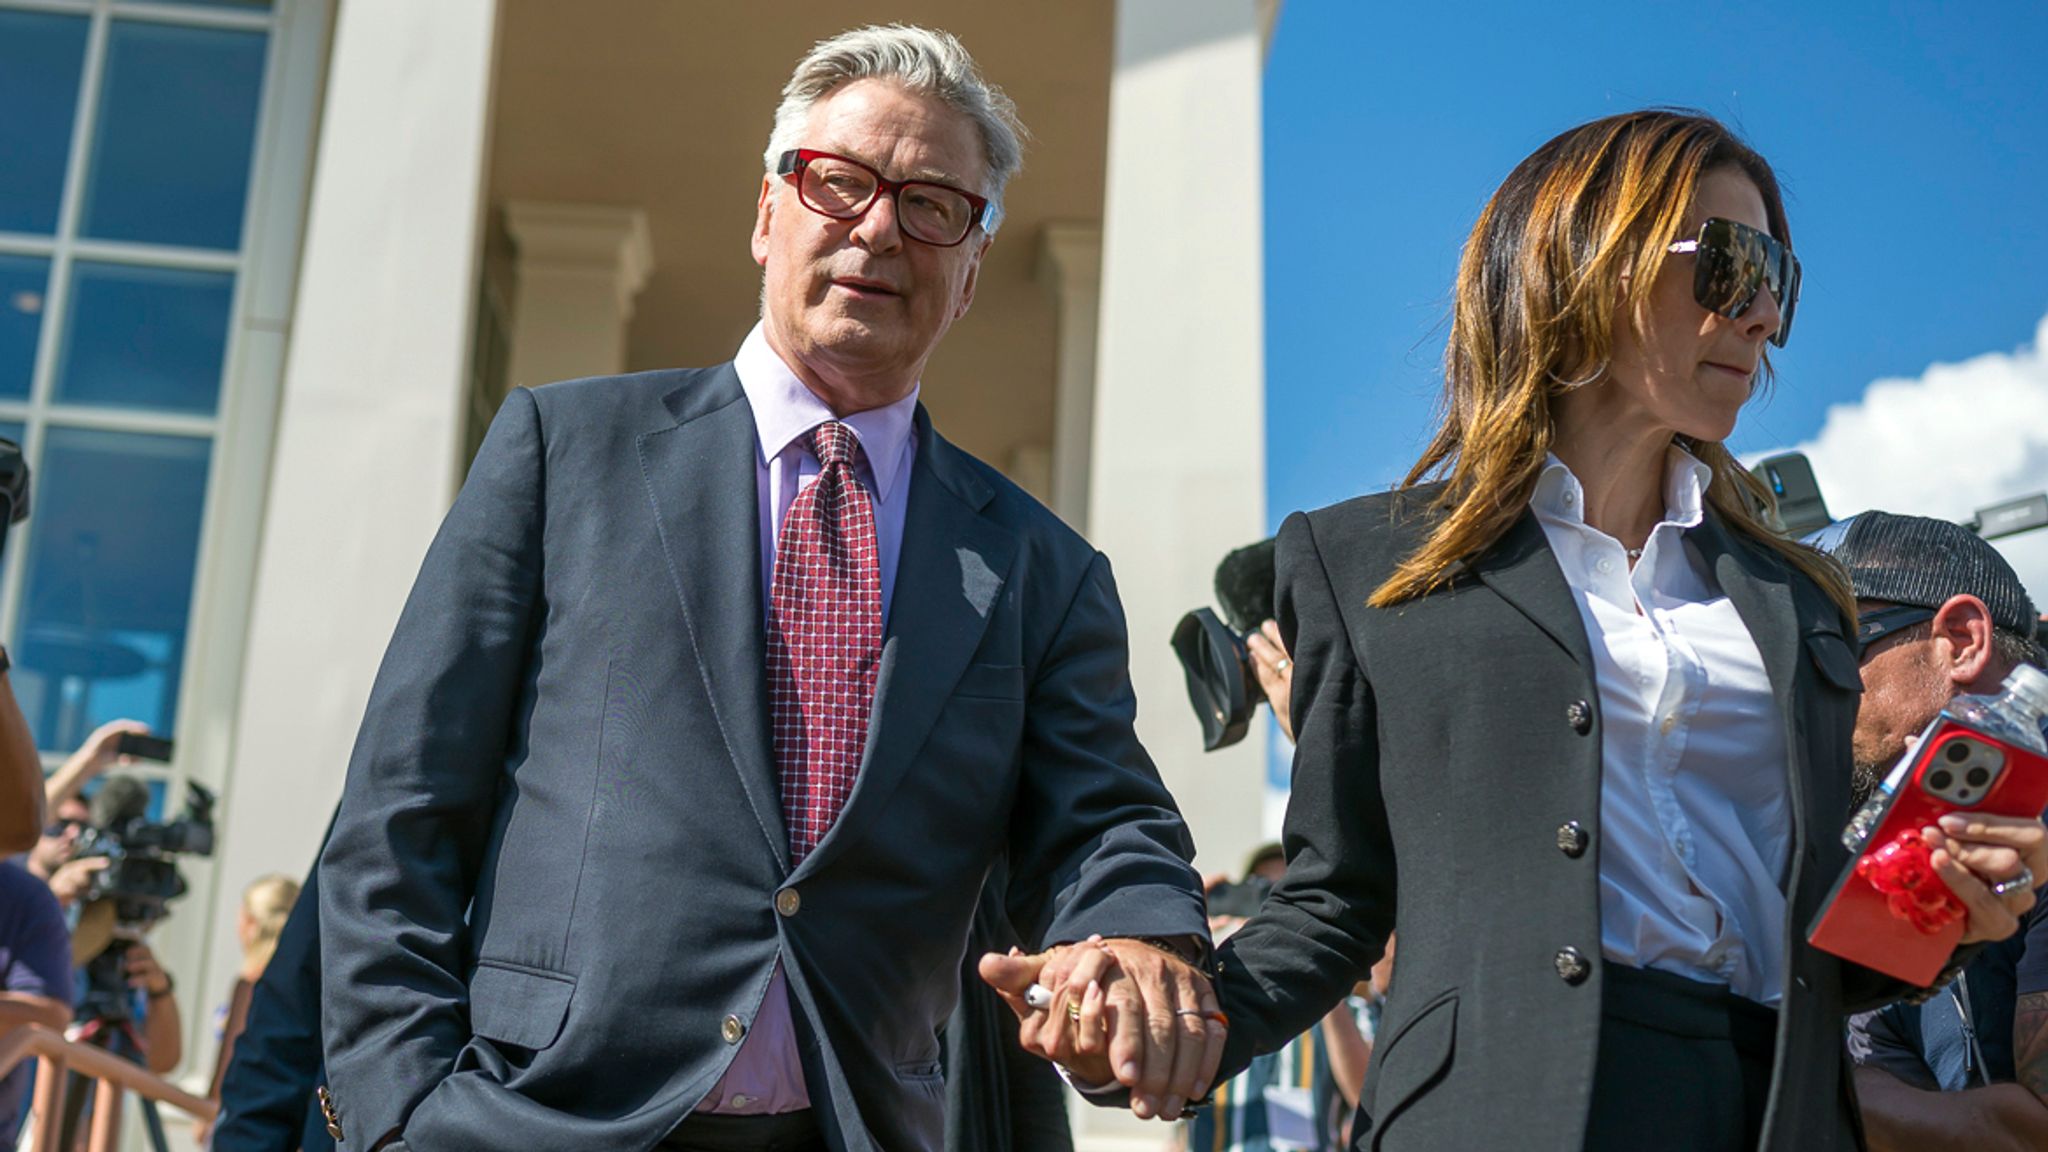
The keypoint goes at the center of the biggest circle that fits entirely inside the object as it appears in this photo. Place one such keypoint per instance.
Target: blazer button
(327, 1113)
(1579, 715)
(1572, 968)
(732, 1030)
(787, 901)
(1571, 839)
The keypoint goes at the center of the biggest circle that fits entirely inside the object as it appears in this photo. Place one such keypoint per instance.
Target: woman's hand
(1975, 851)
(1275, 672)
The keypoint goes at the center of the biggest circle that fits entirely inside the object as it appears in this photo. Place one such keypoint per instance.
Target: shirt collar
(784, 410)
(1559, 496)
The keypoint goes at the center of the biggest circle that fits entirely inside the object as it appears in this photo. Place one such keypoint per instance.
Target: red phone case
(1887, 910)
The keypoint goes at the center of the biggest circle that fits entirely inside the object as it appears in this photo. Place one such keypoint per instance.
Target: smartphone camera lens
(1957, 752)
(1977, 777)
(1941, 779)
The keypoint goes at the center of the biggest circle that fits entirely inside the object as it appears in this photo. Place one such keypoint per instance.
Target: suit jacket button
(1579, 715)
(1571, 839)
(327, 1113)
(1572, 968)
(732, 1030)
(787, 901)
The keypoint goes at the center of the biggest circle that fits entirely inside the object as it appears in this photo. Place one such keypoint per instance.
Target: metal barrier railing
(112, 1080)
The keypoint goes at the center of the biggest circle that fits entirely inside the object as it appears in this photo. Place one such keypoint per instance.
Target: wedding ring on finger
(2024, 882)
(1211, 1017)
(1283, 664)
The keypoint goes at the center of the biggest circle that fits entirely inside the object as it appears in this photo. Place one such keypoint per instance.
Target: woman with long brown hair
(1573, 718)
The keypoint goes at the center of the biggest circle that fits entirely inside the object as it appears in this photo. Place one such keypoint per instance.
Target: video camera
(1223, 688)
(142, 877)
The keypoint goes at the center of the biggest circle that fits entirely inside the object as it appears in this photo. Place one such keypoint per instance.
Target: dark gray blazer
(1447, 746)
(559, 882)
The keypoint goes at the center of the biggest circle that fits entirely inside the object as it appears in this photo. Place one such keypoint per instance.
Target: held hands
(1977, 855)
(1122, 1012)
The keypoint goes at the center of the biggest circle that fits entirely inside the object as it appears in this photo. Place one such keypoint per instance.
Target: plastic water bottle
(2017, 716)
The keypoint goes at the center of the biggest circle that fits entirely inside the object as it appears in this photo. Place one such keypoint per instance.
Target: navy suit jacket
(559, 882)
(266, 1096)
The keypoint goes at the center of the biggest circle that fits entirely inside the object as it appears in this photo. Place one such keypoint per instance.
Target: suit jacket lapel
(1522, 570)
(1761, 592)
(949, 575)
(700, 475)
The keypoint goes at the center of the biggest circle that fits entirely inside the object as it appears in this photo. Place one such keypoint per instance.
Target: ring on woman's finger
(1074, 1010)
(2022, 882)
(1213, 1017)
(1282, 664)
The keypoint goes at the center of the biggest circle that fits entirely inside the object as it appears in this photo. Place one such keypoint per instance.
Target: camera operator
(1940, 613)
(125, 1001)
(51, 859)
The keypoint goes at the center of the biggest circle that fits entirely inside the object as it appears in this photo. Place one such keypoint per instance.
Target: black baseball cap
(1922, 561)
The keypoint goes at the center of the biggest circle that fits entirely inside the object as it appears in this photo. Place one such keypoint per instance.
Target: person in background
(1941, 614)
(22, 800)
(50, 859)
(266, 904)
(35, 978)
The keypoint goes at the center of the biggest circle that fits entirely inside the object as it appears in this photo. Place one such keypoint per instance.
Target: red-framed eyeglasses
(844, 189)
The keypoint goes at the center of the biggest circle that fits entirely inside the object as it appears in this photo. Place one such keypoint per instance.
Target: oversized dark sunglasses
(1879, 623)
(1732, 262)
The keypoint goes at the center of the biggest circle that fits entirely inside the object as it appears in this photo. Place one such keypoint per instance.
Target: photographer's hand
(1275, 672)
(74, 879)
(163, 1041)
(93, 757)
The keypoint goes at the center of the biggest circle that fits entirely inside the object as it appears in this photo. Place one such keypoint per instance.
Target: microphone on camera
(120, 801)
(1244, 586)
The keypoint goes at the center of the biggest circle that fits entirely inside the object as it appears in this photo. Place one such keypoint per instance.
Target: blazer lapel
(1522, 570)
(949, 575)
(1761, 592)
(700, 475)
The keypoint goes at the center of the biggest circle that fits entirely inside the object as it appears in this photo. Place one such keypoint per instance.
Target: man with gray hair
(720, 692)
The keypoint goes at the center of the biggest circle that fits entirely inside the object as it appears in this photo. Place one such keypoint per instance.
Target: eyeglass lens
(842, 189)
(1734, 262)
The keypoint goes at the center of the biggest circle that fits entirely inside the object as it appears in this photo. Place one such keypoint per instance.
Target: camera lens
(1977, 777)
(1958, 751)
(1940, 780)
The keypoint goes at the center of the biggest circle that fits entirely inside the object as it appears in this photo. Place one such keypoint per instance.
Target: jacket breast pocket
(1835, 660)
(1416, 1059)
(991, 682)
(520, 1006)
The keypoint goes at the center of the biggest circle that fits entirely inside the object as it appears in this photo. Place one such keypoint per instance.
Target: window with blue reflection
(23, 282)
(41, 57)
(177, 126)
(140, 337)
(109, 577)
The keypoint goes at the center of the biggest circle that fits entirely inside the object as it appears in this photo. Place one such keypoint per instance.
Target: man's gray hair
(923, 60)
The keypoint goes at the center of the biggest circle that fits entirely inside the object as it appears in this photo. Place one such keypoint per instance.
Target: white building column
(1070, 268)
(579, 266)
(1177, 472)
(369, 434)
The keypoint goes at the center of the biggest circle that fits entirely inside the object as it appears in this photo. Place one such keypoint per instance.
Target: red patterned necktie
(824, 639)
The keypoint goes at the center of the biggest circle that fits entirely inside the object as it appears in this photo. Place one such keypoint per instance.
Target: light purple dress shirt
(766, 1075)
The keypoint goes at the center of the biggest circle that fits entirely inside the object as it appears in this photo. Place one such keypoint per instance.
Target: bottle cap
(2029, 685)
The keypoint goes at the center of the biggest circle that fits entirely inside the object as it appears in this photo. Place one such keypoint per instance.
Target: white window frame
(265, 266)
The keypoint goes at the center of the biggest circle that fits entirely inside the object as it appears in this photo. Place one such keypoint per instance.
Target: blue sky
(1913, 145)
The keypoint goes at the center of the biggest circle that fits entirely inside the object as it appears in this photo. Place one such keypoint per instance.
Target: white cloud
(1959, 437)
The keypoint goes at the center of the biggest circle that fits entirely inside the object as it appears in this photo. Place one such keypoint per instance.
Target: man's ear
(973, 274)
(1962, 633)
(764, 218)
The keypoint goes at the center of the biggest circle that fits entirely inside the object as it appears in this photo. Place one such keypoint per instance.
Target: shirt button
(787, 902)
(739, 1100)
(1605, 565)
(1572, 968)
(1670, 722)
(1570, 498)
(732, 1030)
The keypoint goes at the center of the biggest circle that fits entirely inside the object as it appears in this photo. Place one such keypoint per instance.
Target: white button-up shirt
(1695, 822)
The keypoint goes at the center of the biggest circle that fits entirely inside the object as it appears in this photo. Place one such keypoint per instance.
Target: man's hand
(1122, 1011)
(1974, 851)
(74, 880)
